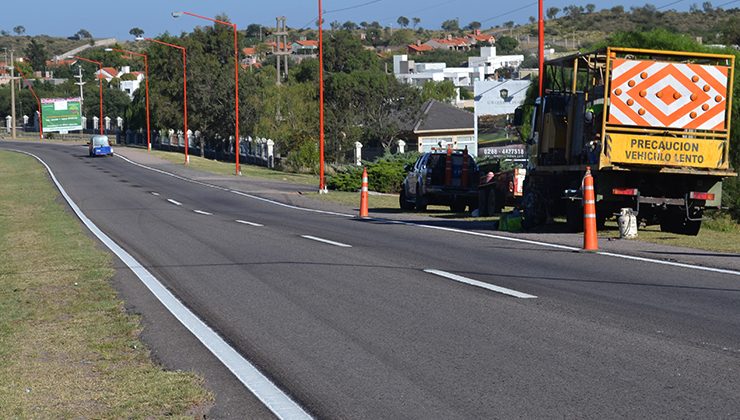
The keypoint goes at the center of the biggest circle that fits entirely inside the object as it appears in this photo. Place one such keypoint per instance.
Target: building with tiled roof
(305, 47)
(107, 73)
(419, 48)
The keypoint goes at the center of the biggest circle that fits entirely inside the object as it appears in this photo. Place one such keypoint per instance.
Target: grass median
(68, 349)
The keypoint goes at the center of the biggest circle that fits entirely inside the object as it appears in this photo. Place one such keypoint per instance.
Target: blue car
(99, 146)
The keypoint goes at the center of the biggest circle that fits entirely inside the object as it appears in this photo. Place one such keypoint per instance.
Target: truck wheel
(674, 220)
(403, 202)
(483, 203)
(573, 216)
(421, 202)
(534, 209)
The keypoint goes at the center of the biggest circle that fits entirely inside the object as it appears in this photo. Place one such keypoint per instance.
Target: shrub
(304, 159)
(384, 174)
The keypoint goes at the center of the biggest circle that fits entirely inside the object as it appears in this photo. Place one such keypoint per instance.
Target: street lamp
(184, 91)
(146, 71)
(100, 86)
(236, 75)
(322, 184)
(38, 102)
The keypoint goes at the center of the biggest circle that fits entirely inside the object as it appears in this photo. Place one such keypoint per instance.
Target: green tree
(451, 25)
(343, 52)
(590, 7)
(443, 91)
(474, 25)
(416, 21)
(136, 32)
(36, 54)
(84, 33)
(552, 12)
(19, 30)
(403, 21)
(402, 37)
(506, 45)
(349, 26)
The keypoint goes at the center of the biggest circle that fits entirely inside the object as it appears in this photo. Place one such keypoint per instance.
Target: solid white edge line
(274, 399)
(177, 203)
(481, 284)
(326, 241)
(205, 213)
(244, 222)
(465, 232)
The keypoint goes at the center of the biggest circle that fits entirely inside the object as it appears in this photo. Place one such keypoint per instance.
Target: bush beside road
(68, 349)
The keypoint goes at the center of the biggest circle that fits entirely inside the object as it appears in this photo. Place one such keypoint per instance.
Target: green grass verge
(223, 168)
(718, 233)
(67, 347)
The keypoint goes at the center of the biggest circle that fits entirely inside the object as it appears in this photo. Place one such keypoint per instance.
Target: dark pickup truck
(442, 177)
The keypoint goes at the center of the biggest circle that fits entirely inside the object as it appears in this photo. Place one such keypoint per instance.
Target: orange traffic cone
(363, 195)
(590, 240)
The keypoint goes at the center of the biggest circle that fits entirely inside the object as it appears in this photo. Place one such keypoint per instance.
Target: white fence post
(270, 154)
(358, 153)
(119, 122)
(401, 147)
(107, 123)
(8, 123)
(95, 122)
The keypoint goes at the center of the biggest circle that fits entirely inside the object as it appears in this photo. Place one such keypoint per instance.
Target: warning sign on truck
(665, 151)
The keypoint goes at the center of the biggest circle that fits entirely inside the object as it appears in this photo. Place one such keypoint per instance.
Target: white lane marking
(326, 241)
(464, 232)
(477, 283)
(177, 203)
(205, 213)
(274, 399)
(155, 193)
(244, 222)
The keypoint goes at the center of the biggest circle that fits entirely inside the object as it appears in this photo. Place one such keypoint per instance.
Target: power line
(510, 12)
(357, 6)
(669, 4)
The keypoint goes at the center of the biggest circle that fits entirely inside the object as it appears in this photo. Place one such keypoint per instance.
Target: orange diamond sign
(668, 95)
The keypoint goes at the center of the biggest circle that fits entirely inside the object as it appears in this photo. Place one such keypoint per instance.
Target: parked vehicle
(499, 189)
(653, 127)
(99, 146)
(442, 177)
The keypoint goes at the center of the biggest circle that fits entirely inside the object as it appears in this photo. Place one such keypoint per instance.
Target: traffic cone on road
(363, 195)
(590, 240)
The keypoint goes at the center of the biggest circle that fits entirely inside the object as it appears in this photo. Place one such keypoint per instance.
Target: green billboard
(60, 115)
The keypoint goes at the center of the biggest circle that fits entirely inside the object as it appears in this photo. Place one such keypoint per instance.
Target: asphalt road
(363, 331)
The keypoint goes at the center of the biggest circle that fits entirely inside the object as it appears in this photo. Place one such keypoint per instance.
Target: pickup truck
(442, 177)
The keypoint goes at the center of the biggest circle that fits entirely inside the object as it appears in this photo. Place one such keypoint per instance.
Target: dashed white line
(478, 283)
(244, 222)
(177, 203)
(326, 241)
(205, 213)
(155, 193)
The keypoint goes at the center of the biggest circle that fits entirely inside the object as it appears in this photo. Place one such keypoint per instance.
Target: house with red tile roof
(107, 73)
(419, 48)
(450, 43)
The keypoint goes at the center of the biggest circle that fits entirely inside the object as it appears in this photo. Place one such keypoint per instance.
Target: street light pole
(146, 72)
(184, 91)
(12, 95)
(38, 103)
(236, 76)
(322, 184)
(100, 87)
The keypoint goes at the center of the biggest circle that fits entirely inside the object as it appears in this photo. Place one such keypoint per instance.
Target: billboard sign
(61, 114)
(495, 103)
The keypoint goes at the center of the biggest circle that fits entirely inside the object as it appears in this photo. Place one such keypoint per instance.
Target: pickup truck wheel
(403, 202)
(421, 202)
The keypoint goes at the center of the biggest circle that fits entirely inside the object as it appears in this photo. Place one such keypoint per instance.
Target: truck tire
(674, 221)
(534, 209)
(483, 202)
(421, 202)
(457, 206)
(573, 216)
(403, 203)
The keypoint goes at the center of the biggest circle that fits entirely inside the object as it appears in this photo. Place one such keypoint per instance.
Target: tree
(19, 30)
(509, 24)
(136, 32)
(4, 32)
(590, 8)
(335, 25)
(349, 26)
(707, 7)
(343, 52)
(532, 19)
(402, 37)
(403, 21)
(443, 91)
(416, 21)
(552, 12)
(617, 10)
(451, 25)
(84, 33)
(506, 45)
(474, 25)
(36, 54)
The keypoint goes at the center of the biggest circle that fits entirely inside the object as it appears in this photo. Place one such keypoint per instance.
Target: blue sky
(115, 19)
